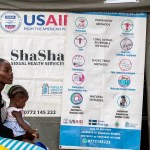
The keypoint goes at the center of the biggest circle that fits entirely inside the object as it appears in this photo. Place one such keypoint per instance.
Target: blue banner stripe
(100, 137)
(140, 15)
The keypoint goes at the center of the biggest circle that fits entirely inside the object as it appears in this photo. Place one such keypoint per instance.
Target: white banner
(33, 42)
(103, 81)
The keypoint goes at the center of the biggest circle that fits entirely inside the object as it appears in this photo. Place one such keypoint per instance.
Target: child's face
(6, 75)
(21, 102)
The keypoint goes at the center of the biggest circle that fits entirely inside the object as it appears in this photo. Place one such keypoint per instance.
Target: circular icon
(81, 23)
(84, 140)
(123, 101)
(126, 44)
(78, 60)
(127, 25)
(76, 98)
(80, 41)
(125, 64)
(78, 78)
(10, 21)
(124, 81)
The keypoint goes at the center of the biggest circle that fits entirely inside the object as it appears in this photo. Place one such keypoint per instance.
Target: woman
(6, 134)
(6, 77)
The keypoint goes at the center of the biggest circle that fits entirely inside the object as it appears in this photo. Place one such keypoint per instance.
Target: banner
(103, 81)
(33, 42)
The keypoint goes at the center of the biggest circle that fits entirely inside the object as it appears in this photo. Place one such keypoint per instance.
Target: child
(22, 131)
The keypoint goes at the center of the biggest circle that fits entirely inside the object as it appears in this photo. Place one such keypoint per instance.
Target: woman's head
(6, 75)
(19, 95)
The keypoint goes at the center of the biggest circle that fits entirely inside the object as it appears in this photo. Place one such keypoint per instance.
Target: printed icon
(65, 121)
(130, 125)
(117, 124)
(78, 78)
(123, 101)
(45, 88)
(84, 140)
(78, 60)
(125, 64)
(80, 41)
(76, 98)
(93, 122)
(126, 44)
(124, 81)
(81, 23)
(52, 89)
(127, 25)
(10, 21)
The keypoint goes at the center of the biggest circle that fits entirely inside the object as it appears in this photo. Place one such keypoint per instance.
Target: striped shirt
(11, 144)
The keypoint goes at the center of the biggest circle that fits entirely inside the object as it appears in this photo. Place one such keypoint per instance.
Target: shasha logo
(76, 98)
(10, 21)
(40, 55)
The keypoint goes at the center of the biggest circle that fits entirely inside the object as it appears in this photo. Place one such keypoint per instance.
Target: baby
(21, 129)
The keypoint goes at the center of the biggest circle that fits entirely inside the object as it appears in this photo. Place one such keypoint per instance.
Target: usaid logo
(43, 20)
(72, 121)
(10, 21)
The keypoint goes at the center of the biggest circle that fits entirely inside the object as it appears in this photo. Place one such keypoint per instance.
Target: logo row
(11, 21)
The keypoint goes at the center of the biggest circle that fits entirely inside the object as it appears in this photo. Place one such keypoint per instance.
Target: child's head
(18, 95)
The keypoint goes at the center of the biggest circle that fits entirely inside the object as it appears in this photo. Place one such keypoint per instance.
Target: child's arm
(23, 124)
